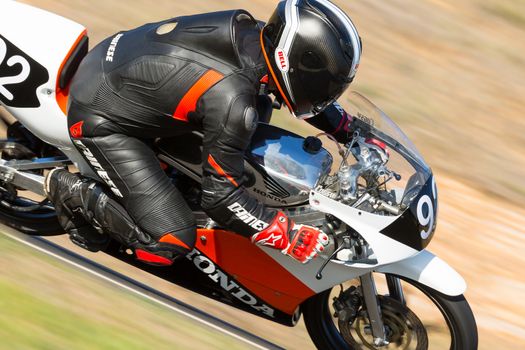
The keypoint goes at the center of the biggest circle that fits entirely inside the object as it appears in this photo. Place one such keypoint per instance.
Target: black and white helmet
(312, 50)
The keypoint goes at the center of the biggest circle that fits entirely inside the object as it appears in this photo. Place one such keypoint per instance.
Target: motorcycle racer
(212, 73)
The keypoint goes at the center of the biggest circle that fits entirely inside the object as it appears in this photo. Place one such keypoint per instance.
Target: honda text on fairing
(378, 205)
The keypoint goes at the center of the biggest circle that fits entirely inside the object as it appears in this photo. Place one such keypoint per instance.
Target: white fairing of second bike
(429, 270)
(386, 250)
(47, 38)
(424, 267)
(392, 256)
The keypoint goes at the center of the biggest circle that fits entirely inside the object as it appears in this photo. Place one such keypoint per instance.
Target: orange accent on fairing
(254, 269)
(273, 75)
(221, 171)
(62, 95)
(189, 101)
(169, 238)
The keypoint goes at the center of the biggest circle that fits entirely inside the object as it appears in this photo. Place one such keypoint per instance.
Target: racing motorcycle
(374, 287)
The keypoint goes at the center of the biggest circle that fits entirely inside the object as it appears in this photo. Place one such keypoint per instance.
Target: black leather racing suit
(149, 82)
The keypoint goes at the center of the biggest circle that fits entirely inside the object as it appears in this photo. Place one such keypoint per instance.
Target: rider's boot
(300, 242)
(62, 188)
(108, 214)
(105, 214)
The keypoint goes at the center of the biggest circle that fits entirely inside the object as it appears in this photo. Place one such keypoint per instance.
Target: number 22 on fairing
(16, 79)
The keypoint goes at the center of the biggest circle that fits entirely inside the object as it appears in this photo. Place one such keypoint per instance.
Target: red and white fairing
(48, 39)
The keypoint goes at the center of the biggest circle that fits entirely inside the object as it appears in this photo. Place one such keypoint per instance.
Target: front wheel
(422, 319)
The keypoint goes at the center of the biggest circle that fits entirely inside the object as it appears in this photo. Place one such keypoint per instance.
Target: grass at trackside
(33, 322)
(46, 305)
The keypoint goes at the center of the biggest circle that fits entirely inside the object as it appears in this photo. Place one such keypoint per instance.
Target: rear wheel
(30, 217)
(23, 210)
(428, 320)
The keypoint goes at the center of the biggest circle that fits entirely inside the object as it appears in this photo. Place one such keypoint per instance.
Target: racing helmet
(312, 50)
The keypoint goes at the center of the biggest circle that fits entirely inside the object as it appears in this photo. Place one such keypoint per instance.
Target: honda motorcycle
(374, 287)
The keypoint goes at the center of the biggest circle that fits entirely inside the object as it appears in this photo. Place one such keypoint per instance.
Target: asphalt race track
(140, 289)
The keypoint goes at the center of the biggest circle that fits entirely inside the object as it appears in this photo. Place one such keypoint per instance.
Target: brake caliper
(347, 305)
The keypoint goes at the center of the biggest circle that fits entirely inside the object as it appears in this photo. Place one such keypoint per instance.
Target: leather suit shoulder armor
(214, 34)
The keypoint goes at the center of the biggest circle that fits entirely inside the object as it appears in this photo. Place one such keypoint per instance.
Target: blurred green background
(46, 304)
(451, 75)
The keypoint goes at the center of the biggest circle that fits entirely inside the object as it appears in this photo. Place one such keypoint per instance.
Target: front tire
(455, 311)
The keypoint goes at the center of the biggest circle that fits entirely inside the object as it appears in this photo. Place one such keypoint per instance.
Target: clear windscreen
(383, 172)
(365, 111)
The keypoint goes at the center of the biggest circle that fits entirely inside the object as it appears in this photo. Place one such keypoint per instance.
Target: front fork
(369, 291)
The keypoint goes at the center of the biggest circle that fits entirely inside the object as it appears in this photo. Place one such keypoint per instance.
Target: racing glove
(301, 242)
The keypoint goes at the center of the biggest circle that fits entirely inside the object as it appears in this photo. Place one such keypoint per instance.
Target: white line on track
(142, 294)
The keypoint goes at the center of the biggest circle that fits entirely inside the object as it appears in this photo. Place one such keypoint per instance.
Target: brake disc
(404, 329)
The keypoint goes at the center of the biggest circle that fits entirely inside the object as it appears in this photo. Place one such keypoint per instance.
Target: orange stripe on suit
(221, 171)
(189, 101)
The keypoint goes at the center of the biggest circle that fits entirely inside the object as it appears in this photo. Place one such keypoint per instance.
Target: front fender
(428, 269)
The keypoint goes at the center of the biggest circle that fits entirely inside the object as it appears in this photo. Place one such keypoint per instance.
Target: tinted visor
(317, 85)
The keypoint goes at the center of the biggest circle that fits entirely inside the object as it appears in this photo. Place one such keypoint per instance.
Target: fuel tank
(278, 171)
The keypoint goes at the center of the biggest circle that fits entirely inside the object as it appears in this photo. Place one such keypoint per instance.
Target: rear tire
(455, 310)
(16, 210)
(36, 223)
